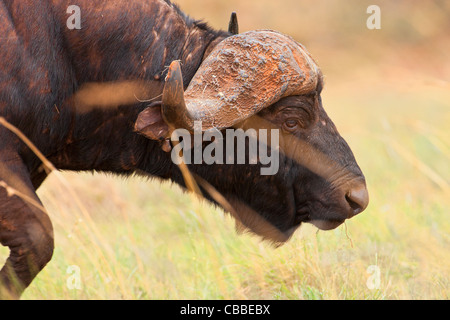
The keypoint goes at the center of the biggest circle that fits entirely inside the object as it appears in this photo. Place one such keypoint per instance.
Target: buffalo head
(265, 80)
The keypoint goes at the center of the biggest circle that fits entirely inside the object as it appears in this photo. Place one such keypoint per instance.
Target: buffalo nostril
(358, 199)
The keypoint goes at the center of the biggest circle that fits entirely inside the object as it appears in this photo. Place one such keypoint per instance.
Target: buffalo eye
(290, 124)
(295, 119)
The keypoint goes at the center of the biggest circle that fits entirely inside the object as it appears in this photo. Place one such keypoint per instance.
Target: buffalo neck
(127, 40)
(121, 44)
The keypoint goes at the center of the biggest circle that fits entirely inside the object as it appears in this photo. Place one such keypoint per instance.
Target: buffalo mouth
(304, 216)
(329, 209)
(326, 224)
(319, 214)
(323, 220)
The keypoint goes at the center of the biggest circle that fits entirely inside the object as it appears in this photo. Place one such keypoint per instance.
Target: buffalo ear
(151, 124)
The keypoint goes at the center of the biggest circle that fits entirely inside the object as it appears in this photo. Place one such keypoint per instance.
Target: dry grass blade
(189, 180)
(420, 165)
(110, 95)
(13, 192)
(245, 217)
(27, 141)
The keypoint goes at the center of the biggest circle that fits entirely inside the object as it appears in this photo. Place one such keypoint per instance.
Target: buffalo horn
(233, 26)
(174, 109)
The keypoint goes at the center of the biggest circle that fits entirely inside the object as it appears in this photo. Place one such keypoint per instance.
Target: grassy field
(138, 239)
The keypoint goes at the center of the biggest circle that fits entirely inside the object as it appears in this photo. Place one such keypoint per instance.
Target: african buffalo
(108, 97)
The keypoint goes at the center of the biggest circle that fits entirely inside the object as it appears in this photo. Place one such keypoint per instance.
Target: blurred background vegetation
(388, 93)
